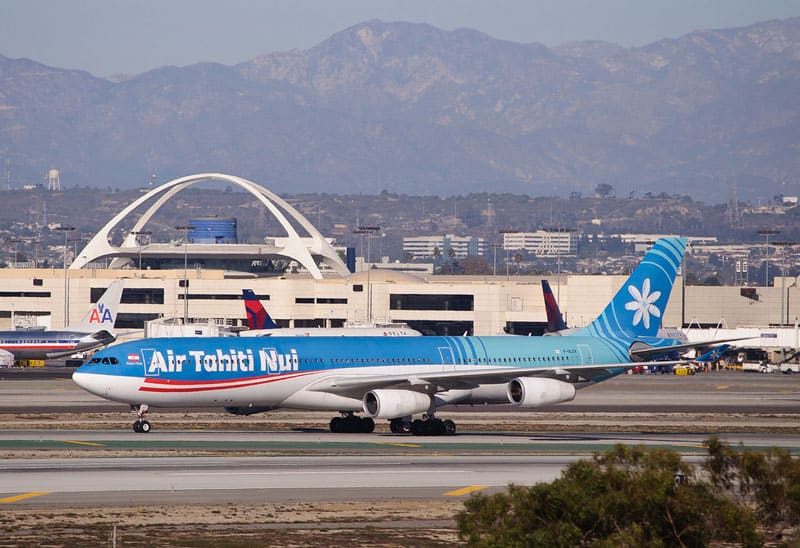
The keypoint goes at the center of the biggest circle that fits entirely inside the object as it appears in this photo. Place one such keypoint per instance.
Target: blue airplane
(392, 378)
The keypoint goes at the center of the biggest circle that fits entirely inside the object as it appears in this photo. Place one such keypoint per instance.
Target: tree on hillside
(604, 190)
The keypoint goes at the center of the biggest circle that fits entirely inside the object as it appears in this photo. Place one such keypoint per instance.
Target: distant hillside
(415, 109)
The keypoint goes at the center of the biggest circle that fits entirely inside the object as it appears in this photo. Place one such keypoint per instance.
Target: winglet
(102, 315)
(257, 315)
(555, 321)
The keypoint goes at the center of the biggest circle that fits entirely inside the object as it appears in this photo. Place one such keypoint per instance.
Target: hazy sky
(131, 36)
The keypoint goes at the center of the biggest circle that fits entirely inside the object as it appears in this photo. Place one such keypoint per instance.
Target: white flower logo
(642, 303)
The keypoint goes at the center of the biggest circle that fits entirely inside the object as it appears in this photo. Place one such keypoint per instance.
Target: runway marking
(398, 444)
(465, 490)
(93, 444)
(723, 387)
(23, 496)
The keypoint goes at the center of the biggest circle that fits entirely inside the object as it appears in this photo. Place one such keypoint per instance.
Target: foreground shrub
(627, 496)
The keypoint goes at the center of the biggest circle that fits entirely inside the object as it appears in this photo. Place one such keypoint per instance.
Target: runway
(58, 449)
(325, 466)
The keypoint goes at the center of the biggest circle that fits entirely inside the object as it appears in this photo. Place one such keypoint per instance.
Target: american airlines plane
(96, 329)
(392, 378)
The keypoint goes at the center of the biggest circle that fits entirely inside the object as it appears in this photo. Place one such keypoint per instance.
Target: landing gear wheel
(136, 427)
(433, 427)
(144, 427)
(399, 426)
(367, 425)
(349, 423)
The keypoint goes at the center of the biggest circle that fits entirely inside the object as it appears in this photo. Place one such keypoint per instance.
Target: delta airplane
(96, 329)
(260, 324)
(392, 378)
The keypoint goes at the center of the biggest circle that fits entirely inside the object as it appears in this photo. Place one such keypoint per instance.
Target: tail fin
(636, 309)
(714, 354)
(103, 314)
(555, 321)
(257, 316)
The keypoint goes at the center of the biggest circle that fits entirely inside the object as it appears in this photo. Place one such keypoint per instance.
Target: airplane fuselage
(43, 345)
(297, 372)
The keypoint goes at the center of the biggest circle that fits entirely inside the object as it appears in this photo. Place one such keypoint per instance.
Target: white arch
(294, 247)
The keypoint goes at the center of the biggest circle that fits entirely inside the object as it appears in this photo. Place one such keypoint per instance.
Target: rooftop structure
(311, 251)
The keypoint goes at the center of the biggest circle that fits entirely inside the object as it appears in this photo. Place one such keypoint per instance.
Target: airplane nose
(87, 381)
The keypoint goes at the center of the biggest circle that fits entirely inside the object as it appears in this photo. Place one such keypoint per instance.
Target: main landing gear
(349, 423)
(427, 426)
(141, 426)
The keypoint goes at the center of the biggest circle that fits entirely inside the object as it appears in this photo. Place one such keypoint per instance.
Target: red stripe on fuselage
(169, 385)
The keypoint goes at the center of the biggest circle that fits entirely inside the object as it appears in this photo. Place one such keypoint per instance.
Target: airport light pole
(784, 246)
(136, 234)
(66, 229)
(14, 241)
(504, 232)
(494, 257)
(369, 230)
(186, 229)
(767, 233)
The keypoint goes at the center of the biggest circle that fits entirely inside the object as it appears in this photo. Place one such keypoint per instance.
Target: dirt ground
(385, 523)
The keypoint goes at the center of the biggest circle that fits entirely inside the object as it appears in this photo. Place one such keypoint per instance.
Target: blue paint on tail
(637, 308)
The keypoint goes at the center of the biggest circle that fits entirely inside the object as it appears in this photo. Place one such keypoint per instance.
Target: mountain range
(410, 108)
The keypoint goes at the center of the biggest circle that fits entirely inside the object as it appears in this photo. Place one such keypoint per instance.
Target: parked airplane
(94, 330)
(392, 378)
(260, 324)
(557, 326)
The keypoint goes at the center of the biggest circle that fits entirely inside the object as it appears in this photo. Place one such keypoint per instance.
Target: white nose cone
(87, 381)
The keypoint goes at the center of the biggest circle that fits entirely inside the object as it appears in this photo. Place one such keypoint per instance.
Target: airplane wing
(645, 351)
(357, 385)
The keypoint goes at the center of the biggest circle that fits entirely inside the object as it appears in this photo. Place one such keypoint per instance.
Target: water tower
(53, 181)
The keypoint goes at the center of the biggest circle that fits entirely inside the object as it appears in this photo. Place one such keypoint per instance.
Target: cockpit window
(94, 360)
(114, 361)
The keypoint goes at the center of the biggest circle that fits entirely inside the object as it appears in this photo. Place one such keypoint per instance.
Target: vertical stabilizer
(555, 321)
(103, 314)
(257, 316)
(637, 308)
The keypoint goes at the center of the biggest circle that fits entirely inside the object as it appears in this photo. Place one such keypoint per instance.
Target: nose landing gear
(141, 426)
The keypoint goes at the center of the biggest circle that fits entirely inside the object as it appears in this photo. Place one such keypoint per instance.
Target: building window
(432, 302)
(132, 295)
(304, 300)
(330, 300)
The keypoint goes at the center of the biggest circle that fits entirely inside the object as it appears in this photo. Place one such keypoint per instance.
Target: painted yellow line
(399, 444)
(76, 442)
(723, 387)
(465, 490)
(24, 496)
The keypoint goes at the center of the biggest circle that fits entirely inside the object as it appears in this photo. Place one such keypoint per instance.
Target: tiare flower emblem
(642, 304)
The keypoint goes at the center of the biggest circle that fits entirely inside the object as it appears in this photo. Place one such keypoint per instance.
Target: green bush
(627, 496)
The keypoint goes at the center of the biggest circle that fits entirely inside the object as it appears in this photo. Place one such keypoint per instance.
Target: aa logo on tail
(101, 314)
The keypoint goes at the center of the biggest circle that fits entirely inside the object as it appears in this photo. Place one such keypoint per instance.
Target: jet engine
(534, 392)
(391, 404)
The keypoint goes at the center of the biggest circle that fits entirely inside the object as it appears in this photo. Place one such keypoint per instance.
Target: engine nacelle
(534, 392)
(392, 404)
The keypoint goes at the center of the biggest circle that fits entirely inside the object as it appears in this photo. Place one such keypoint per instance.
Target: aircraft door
(448, 361)
(586, 354)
